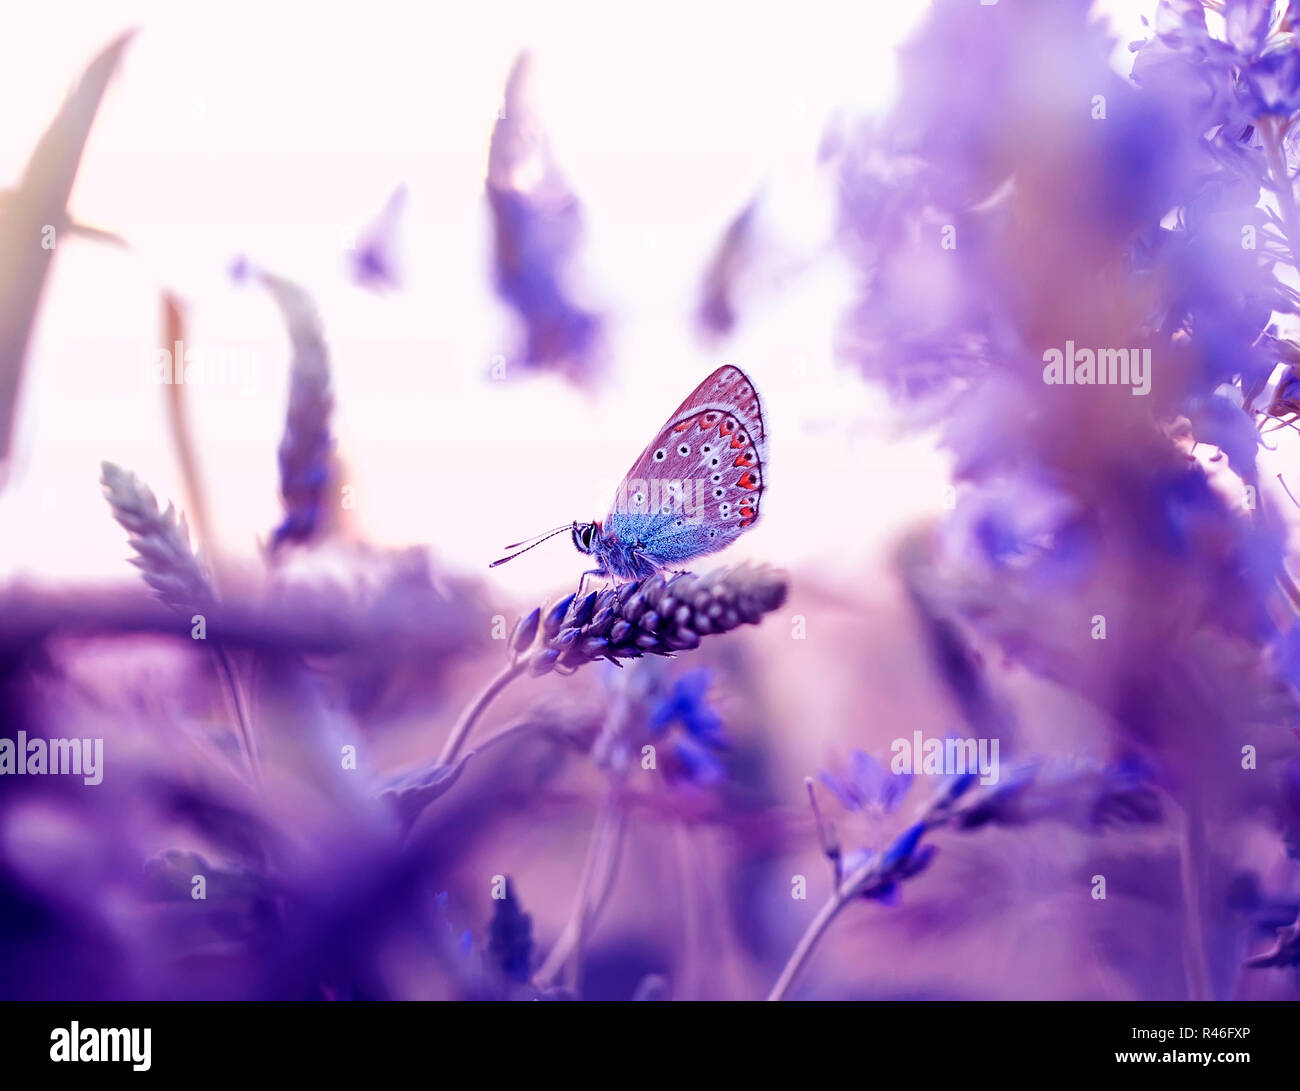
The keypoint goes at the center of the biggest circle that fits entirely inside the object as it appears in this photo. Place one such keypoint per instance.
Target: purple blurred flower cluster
(537, 225)
(1025, 198)
(303, 797)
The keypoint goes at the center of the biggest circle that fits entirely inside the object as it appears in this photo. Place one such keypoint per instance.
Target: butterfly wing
(698, 485)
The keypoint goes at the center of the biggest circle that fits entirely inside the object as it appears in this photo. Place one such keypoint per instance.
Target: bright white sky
(276, 129)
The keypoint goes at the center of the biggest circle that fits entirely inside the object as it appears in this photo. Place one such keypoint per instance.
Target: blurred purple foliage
(1020, 196)
(537, 227)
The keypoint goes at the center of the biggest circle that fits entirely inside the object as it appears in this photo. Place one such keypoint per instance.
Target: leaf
(412, 792)
(40, 202)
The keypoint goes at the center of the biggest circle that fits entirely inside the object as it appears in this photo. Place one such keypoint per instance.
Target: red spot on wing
(743, 460)
(747, 481)
(739, 441)
(727, 427)
(684, 425)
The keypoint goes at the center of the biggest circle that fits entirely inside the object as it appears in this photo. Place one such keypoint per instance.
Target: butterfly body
(694, 490)
(626, 549)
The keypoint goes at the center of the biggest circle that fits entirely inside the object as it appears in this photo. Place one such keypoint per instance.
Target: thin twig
(182, 437)
(597, 874)
(601, 889)
(691, 928)
(1274, 131)
(812, 935)
(476, 709)
(1191, 862)
(239, 711)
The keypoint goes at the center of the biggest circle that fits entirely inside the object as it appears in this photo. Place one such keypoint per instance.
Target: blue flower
(867, 785)
(696, 751)
(1273, 83)
(1247, 23)
(510, 937)
(537, 225)
(687, 705)
(374, 261)
(905, 858)
(699, 764)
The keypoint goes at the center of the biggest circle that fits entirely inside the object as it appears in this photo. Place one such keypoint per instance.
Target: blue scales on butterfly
(695, 489)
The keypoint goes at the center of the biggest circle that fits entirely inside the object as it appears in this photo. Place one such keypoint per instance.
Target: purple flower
(374, 259)
(697, 762)
(306, 452)
(537, 223)
(161, 540)
(716, 313)
(1247, 23)
(697, 751)
(866, 785)
(659, 615)
(687, 705)
(510, 937)
(1272, 83)
(1219, 420)
(884, 873)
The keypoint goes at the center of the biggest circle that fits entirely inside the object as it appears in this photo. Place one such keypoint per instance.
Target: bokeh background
(528, 231)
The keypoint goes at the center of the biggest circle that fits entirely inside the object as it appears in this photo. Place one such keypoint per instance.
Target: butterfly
(695, 489)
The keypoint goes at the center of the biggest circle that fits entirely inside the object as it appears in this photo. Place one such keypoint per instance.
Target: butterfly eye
(705, 449)
(719, 491)
(684, 449)
(660, 455)
(713, 461)
(724, 509)
(716, 478)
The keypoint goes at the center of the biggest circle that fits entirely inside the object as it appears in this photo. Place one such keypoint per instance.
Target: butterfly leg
(582, 582)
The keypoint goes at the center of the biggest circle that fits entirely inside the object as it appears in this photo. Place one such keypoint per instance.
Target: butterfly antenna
(530, 543)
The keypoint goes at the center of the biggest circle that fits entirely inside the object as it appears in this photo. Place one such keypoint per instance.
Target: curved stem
(852, 885)
(812, 935)
(1190, 845)
(182, 435)
(1191, 861)
(239, 711)
(476, 709)
(602, 889)
(523, 727)
(685, 989)
(593, 887)
(1275, 132)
